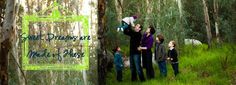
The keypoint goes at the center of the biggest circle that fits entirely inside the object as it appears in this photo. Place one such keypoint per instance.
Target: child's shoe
(122, 29)
(118, 29)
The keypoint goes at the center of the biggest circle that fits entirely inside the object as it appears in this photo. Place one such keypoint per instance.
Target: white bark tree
(7, 34)
(216, 18)
(119, 9)
(207, 22)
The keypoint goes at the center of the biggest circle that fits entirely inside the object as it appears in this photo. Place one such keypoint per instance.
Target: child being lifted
(127, 22)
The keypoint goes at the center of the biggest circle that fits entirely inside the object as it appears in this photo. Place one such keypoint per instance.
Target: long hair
(152, 30)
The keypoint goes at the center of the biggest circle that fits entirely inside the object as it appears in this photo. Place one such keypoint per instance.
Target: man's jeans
(135, 66)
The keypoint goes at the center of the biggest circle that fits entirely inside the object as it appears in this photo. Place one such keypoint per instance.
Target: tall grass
(198, 66)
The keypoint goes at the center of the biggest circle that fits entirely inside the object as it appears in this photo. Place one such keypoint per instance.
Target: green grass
(198, 66)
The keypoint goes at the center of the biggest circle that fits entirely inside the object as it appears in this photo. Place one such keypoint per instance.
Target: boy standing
(160, 55)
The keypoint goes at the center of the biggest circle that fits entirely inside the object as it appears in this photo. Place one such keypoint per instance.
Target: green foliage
(195, 24)
(198, 66)
(163, 15)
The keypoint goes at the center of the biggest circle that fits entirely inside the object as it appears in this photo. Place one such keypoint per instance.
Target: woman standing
(146, 45)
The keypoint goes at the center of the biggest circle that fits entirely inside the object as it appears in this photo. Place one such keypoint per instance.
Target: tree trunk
(29, 7)
(15, 55)
(181, 27)
(15, 51)
(180, 8)
(85, 77)
(2, 7)
(216, 18)
(102, 50)
(149, 8)
(207, 22)
(6, 35)
(119, 9)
